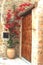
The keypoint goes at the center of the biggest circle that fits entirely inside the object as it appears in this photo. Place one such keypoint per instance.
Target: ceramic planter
(11, 53)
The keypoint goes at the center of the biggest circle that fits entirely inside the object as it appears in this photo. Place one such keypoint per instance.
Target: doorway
(26, 37)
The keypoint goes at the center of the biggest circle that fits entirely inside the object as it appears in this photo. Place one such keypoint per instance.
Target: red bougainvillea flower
(17, 18)
(21, 9)
(10, 25)
(7, 26)
(15, 31)
(8, 17)
(25, 4)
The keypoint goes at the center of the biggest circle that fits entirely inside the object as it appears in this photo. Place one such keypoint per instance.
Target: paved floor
(16, 61)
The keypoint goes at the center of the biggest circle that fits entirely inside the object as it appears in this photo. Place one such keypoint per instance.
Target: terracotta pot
(11, 53)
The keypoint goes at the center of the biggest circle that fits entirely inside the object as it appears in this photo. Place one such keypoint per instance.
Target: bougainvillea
(23, 6)
(15, 13)
(10, 22)
(12, 17)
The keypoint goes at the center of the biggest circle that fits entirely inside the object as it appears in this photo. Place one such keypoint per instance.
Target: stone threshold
(29, 63)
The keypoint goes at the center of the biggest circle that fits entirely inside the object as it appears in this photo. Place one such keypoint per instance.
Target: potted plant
(11, 48)
(13, 27)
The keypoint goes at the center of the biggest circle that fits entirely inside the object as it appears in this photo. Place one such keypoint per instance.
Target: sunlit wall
(37, 34)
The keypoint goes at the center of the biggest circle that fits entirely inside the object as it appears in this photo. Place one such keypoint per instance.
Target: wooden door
(26, 37)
